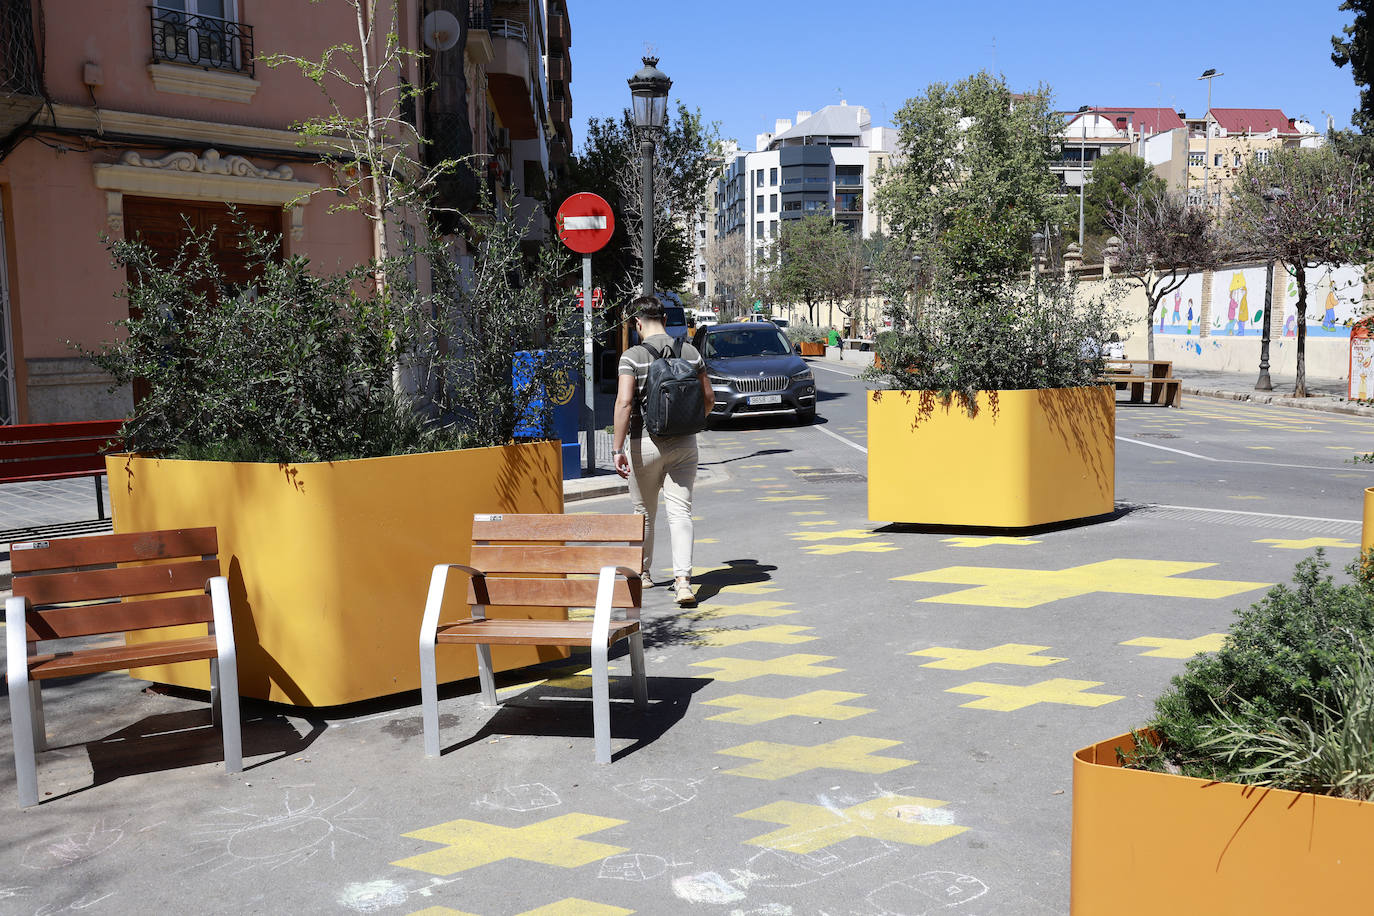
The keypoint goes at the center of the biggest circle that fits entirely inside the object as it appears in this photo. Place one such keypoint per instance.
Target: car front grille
(757, 385)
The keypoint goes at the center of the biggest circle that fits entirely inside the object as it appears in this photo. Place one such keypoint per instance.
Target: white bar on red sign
(584, 222)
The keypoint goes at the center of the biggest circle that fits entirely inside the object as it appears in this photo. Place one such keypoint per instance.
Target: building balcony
(201, 41)
(560, 32)
(560, 111)
(560, 69)
(21, 92)
(508, 78)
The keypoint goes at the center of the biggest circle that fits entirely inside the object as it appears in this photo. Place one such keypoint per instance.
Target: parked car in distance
(781, 322)
(754, 369)
(706, 318)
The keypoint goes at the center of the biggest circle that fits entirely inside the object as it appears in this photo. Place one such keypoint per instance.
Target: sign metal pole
(588, 391)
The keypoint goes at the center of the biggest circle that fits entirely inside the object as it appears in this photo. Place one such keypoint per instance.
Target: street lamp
(863, 305)
(1264, 383)
(649, 95)
(1208, 75)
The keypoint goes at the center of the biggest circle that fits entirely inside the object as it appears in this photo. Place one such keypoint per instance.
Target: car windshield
(763, 340)
(674, 317)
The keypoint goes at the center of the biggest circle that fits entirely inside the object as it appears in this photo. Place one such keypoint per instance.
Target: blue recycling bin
(567, 408)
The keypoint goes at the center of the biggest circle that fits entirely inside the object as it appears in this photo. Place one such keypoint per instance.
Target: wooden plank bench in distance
(535, 549)
(1135, 374)
(74, 587)
(57, 451)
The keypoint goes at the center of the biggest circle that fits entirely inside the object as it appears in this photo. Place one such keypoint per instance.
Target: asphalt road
(857, 721)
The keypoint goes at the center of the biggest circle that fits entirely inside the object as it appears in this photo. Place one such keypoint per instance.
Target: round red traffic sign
(585, 222)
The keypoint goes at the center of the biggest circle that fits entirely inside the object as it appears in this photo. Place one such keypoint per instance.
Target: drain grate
(830, 475)
(1253, 520)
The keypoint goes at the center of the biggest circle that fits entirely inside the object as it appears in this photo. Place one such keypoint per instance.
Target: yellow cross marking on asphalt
(751, 467)
(1258, 448)
(1010, 697)
(815, 522)
(1178, 648)
(742, 669)
(806, 497)
(1342, 448)
(574, 906)
(812, 827)
(441, 911)
(1306, 543)
(801, 467)
(778, 634)
(1011, 653)
(1022, 588)
(774, 486)
(856, 533)
(706, 541)
(817, 704)
(751, 609)
(830, 550)
(468, 844)
(1233, 496)
(991, 541)
(764, 479)
(577, 677)
(774, 760)
(731, 490)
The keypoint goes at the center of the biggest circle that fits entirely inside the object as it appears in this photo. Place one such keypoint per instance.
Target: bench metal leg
(40, 727)
(99, 499)
(429, 698)
(485, 676)
(22, 724)
(641, 685)
(230, 723)
(601, 702)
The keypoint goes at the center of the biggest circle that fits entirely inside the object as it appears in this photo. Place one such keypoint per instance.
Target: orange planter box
(812, 349)
(1149, 842)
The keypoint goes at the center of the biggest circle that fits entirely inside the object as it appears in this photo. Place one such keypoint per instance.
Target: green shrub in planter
(804, 332)
(1287, 701)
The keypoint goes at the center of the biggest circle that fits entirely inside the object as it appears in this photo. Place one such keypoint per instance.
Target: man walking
(654, 463)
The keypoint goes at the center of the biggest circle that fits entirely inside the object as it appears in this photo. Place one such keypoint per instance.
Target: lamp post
(863, 306)
(1264, 383)
(649, 95)
(1208, 75)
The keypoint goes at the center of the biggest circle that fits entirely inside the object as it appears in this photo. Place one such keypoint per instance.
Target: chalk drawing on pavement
(72, 848)
(296, 830)
(530, 796)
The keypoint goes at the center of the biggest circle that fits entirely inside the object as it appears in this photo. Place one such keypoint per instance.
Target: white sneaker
(683, 594)
(646, 580)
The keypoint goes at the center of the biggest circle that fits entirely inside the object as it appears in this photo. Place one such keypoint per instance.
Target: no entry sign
(585, 223)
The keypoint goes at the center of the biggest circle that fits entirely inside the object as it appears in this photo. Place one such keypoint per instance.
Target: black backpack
(673, 402)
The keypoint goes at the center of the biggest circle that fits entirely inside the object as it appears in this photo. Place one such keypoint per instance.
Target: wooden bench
(65, 589)
(1135, 374)
(56, 451)
(535, 549)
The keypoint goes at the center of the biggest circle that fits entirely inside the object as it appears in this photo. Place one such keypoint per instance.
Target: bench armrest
(605, 590)
(218, 589)
(438, 580)
(17, 642)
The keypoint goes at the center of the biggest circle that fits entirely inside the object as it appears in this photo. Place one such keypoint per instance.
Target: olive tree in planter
(989, 376)
(809, 338)
(1250, 789)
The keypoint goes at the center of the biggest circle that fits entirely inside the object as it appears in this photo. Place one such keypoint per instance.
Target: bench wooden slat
(22, 454)
(552, 592)
(550, 560)
(30, 432)
(119, 658)
(559, 528)
(530, 632)
(105, 549)
(94, 619)
(52, 468)
(98, 584)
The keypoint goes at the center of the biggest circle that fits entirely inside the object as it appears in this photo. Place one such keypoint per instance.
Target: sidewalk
(1326, 394)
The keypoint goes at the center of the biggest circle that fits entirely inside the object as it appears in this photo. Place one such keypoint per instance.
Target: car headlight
(805, 375)
(717, 381)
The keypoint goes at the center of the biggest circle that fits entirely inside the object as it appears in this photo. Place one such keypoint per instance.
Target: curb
(602, 485)
(1323, 403)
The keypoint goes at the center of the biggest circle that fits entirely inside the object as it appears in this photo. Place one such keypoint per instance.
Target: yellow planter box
(1367, 542)
(1026, 458)
(1211, 847)
(328, 563)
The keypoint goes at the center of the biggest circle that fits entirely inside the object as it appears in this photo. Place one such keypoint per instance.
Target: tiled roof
(832, 120)
(1149, 120)
(1251, 120)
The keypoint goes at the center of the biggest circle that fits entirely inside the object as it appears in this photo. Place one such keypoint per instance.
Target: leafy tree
(1357, 49)
(970, 183)
(1114, 178)
(609, 165)
(1306, 208)
(807, 254)
(1163, 240)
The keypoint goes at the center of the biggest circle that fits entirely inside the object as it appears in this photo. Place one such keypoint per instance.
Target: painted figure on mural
(1238, 308)
(1190, 314)
(1178, 298)
(1329, 319)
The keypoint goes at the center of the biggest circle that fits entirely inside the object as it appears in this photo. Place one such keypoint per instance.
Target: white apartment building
(824, 162)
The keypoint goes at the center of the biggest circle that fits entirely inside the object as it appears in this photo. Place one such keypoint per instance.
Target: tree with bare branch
(1162, 241)
(1308, 209)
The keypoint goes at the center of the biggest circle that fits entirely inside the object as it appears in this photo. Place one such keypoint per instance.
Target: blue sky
(745, 63)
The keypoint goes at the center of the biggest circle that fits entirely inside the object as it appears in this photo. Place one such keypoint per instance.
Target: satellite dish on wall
(440, 30)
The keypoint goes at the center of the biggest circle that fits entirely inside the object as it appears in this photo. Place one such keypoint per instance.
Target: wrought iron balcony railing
(479, 14)
(201, 41)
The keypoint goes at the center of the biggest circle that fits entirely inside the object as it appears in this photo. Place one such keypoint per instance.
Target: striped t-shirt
(635, 361)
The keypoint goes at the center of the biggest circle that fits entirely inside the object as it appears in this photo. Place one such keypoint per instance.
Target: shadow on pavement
(559, 712)
(1121, 511)
(737, 572)
(758, 454)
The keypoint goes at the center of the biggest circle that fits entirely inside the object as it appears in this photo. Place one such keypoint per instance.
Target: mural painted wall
(1238, 301)
(1335, 300)
(1362, 367)
(1181, 310)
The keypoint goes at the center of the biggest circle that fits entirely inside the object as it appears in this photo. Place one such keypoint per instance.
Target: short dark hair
(648, 307)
